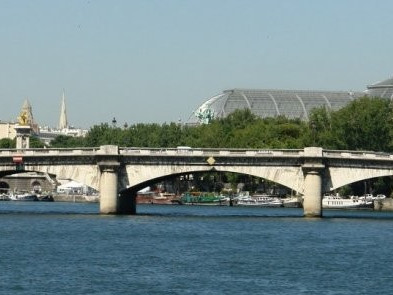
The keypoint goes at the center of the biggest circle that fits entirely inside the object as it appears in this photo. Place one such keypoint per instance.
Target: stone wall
(384, 205)
(76, 198)
(27, 182)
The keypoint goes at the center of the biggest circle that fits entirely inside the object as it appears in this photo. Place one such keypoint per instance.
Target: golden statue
(23, 118)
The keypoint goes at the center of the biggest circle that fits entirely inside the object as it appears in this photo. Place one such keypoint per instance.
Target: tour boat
(337, 202)
(259, 200)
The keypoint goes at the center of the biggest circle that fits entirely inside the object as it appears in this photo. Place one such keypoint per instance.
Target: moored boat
(337, 202)
(45, 198)
(4, 197)
(23, 197)
(291, 202)
(201, 198)
(259, 200)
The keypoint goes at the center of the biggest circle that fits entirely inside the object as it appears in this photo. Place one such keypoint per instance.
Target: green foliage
(364, 124)
(63, 141)
(6, 143)
(36, 143)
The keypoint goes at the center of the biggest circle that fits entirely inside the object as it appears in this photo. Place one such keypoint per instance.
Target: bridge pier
(312, 169)
(312, 201)
(109, 187)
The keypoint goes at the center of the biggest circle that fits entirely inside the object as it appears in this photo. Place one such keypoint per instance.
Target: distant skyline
(156, 61)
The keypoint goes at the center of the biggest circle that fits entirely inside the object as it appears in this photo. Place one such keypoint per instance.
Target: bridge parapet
(356, 154)
(210, 152)
(114, 150)
(6, 152)
(49, 151)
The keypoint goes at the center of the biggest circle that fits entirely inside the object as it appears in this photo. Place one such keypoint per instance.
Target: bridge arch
(336, 179)
(86, 174)
(140, 177)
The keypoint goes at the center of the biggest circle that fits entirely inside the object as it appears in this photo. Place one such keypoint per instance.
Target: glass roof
(288, 103)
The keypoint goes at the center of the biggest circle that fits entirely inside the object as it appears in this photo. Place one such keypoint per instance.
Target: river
(68, 248)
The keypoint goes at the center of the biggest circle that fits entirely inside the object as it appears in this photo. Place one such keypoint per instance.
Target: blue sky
(156, 61)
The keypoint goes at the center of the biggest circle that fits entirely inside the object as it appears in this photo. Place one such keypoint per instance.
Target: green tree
(363, 125)
(63, 141)
(7, 143)
(35, 142)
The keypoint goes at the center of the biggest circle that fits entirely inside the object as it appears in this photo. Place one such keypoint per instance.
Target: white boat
(380, 197)
(23, 197)
(259, 200)
(371, 198)
(337, 202)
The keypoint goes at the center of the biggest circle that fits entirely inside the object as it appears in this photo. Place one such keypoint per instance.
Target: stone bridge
(118, 173)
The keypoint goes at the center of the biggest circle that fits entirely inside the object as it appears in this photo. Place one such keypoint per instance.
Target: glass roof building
(288, 103)
(382, 89)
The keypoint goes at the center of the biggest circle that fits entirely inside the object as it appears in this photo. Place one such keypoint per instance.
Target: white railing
(50, 151)
(356, 154)
(208, 152)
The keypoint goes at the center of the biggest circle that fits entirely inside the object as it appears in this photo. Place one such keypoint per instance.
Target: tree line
(364, 124)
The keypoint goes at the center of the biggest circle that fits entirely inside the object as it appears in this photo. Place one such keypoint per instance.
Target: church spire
(63, 114)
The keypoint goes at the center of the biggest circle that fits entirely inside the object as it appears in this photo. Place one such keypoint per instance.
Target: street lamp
(313, 131)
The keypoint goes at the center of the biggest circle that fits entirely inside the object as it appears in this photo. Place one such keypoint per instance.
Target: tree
(63, 141)
(35, 142)
(320, 125)
(7, 143)
(364, 124)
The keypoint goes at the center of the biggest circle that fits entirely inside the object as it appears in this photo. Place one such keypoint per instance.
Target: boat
(371, 197)
(291, 202)
(45, 198)
(4, 197)
(23, 197)
(259, 200)
(337, 202)
(201, 198)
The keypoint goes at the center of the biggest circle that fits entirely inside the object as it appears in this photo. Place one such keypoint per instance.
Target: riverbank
(76, 198)
(384, 204)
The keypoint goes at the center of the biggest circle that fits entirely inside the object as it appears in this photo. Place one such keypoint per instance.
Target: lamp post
(313, 131)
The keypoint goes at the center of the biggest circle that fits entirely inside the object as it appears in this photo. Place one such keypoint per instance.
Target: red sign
(17, 159)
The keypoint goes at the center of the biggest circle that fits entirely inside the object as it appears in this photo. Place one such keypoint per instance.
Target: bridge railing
(356, 154)
(185, 151)
(188, 151)
(48, 151)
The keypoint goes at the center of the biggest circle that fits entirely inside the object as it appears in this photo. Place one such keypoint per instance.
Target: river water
(68, 248)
